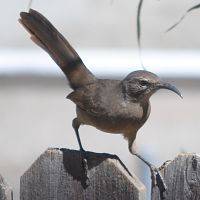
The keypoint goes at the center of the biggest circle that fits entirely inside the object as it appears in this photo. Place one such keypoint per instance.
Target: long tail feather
(45, 35)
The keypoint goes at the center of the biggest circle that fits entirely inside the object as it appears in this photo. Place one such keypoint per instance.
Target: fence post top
(108, 178)
(5, 190)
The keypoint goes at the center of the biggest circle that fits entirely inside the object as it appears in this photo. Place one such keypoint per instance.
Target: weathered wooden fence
(5, 190)
(58, 175)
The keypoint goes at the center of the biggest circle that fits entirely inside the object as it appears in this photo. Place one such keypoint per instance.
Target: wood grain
(182, 177)
(5, 190)
(58, 175)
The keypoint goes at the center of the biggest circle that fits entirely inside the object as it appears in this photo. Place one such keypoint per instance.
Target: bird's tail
(45, 35)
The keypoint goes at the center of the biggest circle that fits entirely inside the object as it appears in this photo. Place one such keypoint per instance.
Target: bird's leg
(76, 125)
(156, 177)
(154, 171)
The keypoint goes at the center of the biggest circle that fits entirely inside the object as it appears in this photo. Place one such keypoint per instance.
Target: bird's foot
(85, 165)
(156, 177)
(157, 180)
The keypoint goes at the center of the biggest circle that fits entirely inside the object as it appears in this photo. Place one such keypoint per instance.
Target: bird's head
(140, 85)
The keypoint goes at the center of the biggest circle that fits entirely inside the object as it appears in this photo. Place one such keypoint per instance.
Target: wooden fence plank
(57, 175)
(5, 190)
(182, 177)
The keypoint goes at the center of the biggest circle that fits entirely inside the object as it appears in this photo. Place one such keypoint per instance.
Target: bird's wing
(45, 35)
(89, 100)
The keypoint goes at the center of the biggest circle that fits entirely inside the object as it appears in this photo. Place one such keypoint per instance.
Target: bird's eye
(143, 83)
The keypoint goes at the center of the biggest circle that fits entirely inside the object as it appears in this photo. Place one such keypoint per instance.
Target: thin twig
(30, 4)
(181, 19)
(139, 31)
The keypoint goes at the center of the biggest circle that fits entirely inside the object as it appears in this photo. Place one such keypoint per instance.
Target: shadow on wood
(5, 190)
(182, 177)
(58, 174)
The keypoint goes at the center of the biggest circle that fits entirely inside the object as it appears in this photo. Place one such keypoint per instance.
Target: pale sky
(107, 23)
(104, 32)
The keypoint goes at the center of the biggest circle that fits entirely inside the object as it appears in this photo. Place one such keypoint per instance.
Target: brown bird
(112, 106)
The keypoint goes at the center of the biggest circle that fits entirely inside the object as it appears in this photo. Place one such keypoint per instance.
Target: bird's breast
(121, 117)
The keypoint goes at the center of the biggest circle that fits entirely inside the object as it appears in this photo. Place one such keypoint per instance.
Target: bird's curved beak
(164, 85)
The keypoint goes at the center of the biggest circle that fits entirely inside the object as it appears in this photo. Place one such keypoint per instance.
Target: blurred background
(34, 113)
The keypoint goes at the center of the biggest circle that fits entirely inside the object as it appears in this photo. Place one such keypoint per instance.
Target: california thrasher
(112, 106)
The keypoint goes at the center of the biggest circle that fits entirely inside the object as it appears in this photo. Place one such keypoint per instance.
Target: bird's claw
(157, 180)
(154, 173)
